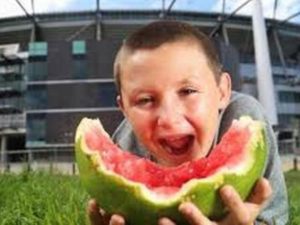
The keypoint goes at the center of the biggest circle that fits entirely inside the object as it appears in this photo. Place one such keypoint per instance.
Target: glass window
(11, 105)
(247, 58)
(284, 119)
(289, 97)
(78, 48)
(37, 69)
(36, 97)
(79, 67)
(107, 95)
(38, 49)
(297, 97)
(35, 129)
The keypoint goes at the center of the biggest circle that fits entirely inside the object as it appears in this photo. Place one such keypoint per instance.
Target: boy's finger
(193, 214)
(116, 220)
(237, 208)
(97, 216)
(165, 221)
(94, 213)
(261, 192)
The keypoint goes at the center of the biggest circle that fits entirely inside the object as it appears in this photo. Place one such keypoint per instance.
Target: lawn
(53, 199)
(293, 185)
(41, 199)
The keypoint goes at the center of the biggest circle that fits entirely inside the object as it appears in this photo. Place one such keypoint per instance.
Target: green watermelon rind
(132, 200)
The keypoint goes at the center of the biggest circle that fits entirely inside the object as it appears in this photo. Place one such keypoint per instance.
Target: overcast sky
(285, 8)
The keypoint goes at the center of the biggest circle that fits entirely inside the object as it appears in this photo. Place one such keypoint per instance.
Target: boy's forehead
(168, 46)
(183, 55)
(172, 58)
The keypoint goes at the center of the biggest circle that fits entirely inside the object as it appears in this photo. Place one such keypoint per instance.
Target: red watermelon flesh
(168, 180)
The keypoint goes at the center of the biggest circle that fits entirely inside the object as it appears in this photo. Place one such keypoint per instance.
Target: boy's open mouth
(177, 145)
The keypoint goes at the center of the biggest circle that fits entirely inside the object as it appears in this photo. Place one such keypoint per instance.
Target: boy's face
(170, 97)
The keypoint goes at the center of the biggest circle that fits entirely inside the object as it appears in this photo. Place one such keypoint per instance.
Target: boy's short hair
(157, 33)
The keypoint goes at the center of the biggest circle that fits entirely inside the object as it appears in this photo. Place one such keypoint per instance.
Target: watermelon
(142, 191)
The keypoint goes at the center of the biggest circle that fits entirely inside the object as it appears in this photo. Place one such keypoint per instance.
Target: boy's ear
(120, 103)
(225, 90)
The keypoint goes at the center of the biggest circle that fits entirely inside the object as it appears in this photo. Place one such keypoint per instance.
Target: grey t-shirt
(276, 211)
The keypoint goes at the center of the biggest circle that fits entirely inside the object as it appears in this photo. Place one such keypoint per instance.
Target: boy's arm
(276, 210)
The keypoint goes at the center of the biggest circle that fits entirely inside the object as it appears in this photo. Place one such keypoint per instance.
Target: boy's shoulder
(243, 104)
(239, 97)
(240, 105)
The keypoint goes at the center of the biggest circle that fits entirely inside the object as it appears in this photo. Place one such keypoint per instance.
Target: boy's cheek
(143, 131)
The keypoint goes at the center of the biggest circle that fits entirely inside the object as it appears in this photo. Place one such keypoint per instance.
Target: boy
(178, 103)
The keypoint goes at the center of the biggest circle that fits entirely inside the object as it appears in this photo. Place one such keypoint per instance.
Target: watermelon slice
(143, 191)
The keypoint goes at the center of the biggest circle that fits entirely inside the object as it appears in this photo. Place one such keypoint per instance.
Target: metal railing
(54, 159)
(288, 147)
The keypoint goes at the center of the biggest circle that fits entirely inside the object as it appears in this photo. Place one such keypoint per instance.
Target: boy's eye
(144, 101)
(187, 91)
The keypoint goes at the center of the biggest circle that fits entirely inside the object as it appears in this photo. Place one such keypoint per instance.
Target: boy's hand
(98, 217)
(240, 213)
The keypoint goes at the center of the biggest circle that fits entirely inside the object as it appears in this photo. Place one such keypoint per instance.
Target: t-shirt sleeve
(276, 211)
(126, 139)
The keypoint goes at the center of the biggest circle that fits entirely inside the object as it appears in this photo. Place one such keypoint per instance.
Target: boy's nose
(169, 115)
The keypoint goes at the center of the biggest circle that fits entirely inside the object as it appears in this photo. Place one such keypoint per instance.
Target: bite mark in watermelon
(143, 191)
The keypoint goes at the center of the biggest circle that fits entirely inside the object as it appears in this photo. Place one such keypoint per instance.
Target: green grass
(41, 198)
(293, 185)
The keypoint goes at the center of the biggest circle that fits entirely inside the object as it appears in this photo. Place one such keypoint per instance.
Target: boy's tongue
(177, 145)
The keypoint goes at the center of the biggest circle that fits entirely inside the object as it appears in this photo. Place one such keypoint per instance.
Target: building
(12, 92)
(70, 56)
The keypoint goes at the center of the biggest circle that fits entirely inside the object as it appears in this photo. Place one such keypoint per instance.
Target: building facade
(68, 67)
(65, 83)
(12, 95)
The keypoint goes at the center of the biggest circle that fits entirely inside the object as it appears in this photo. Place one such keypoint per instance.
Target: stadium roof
(74, 19)
(275, 9)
